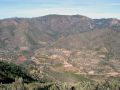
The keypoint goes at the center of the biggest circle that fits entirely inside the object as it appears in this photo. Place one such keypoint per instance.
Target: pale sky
(35, 8)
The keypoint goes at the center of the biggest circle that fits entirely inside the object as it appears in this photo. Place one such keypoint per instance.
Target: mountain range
(30, 33)
(65, 43)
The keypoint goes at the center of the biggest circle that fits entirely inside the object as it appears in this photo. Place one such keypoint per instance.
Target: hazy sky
(35, 8)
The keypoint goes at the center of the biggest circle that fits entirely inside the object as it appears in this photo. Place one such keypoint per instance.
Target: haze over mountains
(65, 43)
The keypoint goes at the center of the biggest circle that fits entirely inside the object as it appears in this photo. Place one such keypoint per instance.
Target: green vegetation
(2, 45)
(9, 71)
(25, 53)
(65, 76)
(30, 39)
(110, 84)
(108, 55)
(16, 78)
(116, 27)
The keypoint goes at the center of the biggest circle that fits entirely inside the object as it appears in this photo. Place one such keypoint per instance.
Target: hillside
(23, 33)
(62, 45)
(31, 33)
(9, 72)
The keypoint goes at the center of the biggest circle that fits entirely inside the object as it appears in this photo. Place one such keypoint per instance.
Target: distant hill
(31, 33)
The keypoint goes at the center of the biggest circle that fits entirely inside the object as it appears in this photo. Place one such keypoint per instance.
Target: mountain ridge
(49, 27)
